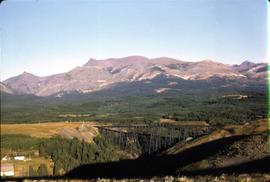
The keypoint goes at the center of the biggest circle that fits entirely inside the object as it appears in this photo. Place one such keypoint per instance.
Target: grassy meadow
(40, 130)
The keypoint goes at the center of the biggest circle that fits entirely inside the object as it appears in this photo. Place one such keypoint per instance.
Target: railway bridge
(147, 139)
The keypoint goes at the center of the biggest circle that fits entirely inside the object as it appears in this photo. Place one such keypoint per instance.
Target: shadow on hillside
(256, 166)
(147, 167)
(150, 166)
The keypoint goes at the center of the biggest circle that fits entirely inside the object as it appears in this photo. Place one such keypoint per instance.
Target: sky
(46, 37)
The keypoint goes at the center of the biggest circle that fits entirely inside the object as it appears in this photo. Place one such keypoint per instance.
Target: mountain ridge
(101, 74)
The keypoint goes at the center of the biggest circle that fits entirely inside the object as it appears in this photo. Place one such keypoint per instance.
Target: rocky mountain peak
(247, 63)
(252, 70)
(89, 62)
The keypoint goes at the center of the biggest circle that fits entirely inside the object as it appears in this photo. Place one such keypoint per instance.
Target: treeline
(214, 117)
(222, 111)
(68, 154)
(19, 142)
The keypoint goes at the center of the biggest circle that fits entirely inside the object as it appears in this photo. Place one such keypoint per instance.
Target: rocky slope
(252, 70)
(4, 88)
(100, 74)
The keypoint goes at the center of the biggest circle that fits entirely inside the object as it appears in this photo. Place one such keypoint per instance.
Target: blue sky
(46, 37)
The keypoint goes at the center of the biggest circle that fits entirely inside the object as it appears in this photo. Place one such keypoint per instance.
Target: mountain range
(99, 75)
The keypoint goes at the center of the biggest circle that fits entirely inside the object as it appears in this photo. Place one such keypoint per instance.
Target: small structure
(5, 158)
(7, 169)
(36, 153)
(19, 158)
(188, 139)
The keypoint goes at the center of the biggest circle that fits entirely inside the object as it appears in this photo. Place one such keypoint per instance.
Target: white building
(19, 158)
(7, 169)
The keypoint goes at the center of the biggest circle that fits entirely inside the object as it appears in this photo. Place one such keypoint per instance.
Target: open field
(41, 130)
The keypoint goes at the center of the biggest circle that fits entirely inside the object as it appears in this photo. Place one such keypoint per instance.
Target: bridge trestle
(149, 139)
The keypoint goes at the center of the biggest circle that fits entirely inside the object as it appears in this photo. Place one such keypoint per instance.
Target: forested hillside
(215, 106)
